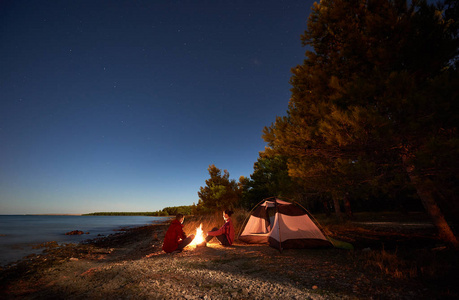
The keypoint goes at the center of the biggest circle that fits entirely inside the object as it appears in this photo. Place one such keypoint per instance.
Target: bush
(210, 221)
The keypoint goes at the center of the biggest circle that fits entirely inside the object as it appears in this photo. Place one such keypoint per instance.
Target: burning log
(203, 244)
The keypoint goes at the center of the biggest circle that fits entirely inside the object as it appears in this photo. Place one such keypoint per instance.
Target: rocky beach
(131, 265)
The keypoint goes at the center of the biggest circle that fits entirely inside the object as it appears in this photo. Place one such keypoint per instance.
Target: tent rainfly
(283, 225)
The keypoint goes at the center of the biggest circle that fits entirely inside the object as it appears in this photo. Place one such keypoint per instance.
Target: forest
(372, 121)
(167, 211)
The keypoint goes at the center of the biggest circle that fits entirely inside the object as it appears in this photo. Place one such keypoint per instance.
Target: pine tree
(220, 192)
(376, 94)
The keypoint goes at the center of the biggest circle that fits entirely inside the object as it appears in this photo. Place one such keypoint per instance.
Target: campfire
(199, 240)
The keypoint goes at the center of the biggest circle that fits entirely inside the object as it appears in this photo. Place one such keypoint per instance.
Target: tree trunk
(425, 191)
(326, 205)
(347, 206)
(338, 212)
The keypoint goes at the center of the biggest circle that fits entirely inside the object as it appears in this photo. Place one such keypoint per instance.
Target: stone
(75, 232)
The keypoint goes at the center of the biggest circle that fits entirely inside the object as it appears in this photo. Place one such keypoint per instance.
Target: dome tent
(283, 225)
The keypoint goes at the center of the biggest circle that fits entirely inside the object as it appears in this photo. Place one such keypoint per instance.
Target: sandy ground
(132, 265)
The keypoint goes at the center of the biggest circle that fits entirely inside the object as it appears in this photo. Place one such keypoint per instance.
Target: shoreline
(23, 237)
(131, 264)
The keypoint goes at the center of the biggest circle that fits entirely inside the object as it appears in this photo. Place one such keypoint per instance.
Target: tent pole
(278, 225)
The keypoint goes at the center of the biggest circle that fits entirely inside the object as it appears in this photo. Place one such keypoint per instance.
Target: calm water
(19, 233)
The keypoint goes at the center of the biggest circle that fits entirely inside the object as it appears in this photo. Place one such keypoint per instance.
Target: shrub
(210, 221)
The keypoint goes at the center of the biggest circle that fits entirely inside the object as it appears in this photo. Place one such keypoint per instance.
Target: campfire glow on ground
(199, 238)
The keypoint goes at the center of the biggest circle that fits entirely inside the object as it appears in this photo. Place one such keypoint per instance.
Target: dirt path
(132, 265)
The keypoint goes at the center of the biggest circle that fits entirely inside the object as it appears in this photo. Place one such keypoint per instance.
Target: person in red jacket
(226, 233)
(176, 239)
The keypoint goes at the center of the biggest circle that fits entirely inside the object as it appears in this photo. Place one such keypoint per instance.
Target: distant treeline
(167, 211)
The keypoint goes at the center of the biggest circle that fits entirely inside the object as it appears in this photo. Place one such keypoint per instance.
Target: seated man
(176, 239)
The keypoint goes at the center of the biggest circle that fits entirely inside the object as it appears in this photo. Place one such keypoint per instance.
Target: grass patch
(389, 263)
(422, 264)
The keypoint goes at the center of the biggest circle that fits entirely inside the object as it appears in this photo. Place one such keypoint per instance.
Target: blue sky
(123, 105)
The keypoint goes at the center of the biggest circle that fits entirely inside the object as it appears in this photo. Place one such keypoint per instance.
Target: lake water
(18, 233)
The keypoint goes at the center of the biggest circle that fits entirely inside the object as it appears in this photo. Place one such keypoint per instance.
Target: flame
(199, 238)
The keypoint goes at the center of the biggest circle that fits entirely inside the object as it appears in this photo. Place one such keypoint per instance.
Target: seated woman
(176, 239)
(226, 233)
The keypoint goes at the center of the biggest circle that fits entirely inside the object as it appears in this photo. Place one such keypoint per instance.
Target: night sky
(123, 105)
